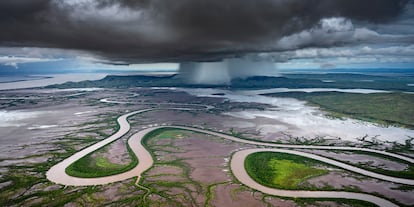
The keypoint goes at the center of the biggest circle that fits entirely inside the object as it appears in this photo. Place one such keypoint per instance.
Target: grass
(171, 134)
(103, 162)
(280, 170)
(90, 167)
(290, 174)
(381, 108)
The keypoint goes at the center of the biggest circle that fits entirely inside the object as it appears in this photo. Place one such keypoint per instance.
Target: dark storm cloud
(174, 30)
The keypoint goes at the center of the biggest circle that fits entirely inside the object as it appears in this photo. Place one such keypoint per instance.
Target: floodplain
(190, 168)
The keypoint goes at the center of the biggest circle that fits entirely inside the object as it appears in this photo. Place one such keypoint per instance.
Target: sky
(61, 35)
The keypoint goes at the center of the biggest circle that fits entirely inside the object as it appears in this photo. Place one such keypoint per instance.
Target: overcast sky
(113, 34)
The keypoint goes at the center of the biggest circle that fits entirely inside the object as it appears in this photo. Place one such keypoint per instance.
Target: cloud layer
(134, 31)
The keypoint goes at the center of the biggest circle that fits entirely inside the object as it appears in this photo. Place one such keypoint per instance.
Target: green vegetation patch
(281, 170)
(290, 174)
(166, 134)
(99, 166)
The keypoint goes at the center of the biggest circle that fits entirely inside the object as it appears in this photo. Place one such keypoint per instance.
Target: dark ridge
(341, 81)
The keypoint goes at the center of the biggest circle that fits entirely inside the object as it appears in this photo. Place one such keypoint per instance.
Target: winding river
(58, 175)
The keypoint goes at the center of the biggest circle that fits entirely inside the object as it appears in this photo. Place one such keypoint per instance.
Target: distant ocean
(19, 82)
(368, 71)
(17, 78)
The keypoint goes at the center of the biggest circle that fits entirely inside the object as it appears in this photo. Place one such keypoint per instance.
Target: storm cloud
(134, 31)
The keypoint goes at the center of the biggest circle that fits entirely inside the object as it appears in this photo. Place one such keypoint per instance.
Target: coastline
(24, 78)
(51, 79)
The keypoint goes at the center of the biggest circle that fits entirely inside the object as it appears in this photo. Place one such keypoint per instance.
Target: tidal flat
(191, 169)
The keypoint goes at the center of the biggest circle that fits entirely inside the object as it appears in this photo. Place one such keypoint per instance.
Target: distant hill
(343, 81)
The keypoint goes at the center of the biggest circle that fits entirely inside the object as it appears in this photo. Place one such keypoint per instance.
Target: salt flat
(298, 119)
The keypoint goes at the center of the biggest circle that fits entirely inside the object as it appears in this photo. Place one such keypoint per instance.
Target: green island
(280, 170)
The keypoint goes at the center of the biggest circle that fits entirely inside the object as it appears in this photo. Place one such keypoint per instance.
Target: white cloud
(15, 61)
(125, 22)
(330, 32)
(91, 9)
(377, 51)
(336, 24)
